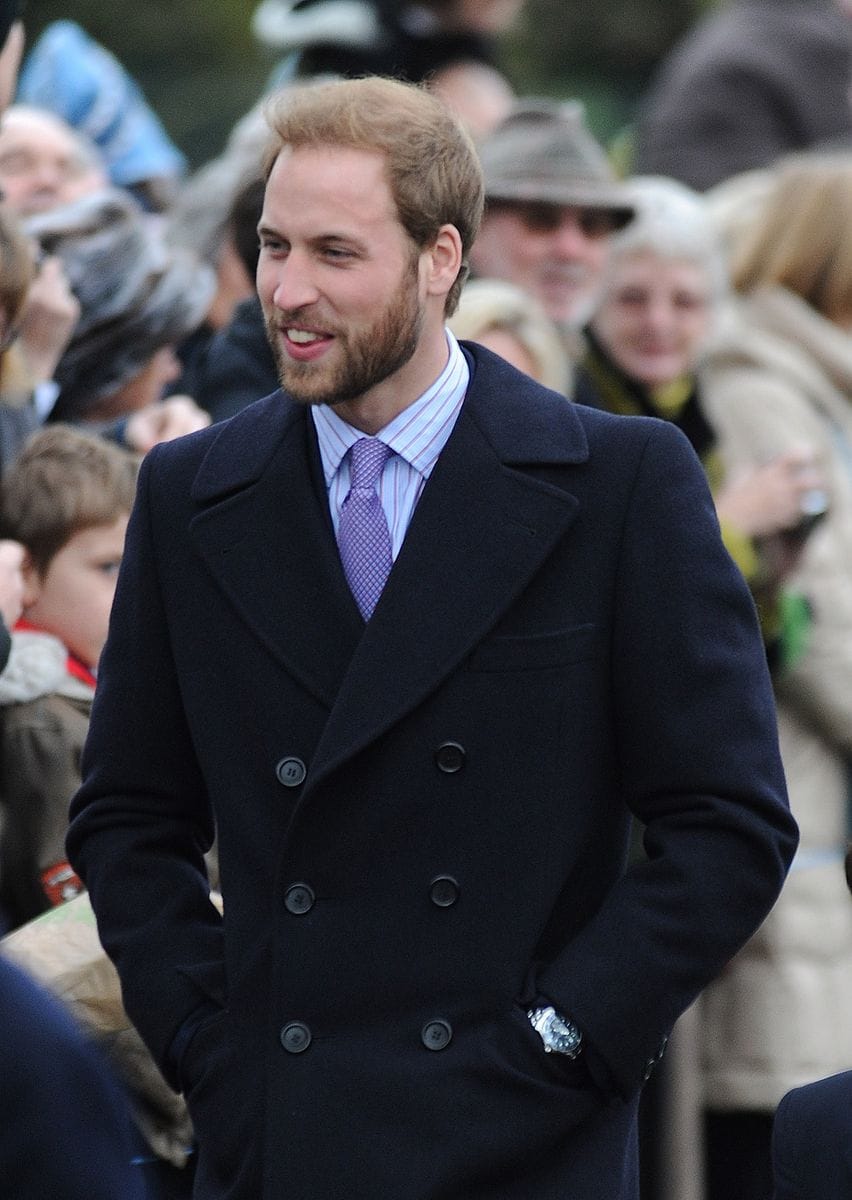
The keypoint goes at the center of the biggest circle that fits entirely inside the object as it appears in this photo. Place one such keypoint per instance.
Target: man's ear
(32, 580)
(444, 261)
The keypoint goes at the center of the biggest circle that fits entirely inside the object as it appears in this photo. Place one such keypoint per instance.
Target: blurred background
(201, 68)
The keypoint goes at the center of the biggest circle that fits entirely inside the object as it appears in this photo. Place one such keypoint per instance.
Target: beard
(364, 358)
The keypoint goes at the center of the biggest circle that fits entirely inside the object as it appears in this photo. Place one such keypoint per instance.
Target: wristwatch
(559, 1035)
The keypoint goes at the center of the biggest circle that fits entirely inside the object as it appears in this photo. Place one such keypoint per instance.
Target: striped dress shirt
(416, 436)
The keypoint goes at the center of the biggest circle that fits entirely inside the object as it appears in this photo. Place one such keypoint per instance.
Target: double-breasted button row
(300, 898)
(291, 771)
(296, 1036)
(450, 757)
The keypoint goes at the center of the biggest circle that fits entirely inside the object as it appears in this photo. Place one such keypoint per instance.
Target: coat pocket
(559, 648)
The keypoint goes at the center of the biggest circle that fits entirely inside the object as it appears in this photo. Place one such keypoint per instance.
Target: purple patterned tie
(363, 537)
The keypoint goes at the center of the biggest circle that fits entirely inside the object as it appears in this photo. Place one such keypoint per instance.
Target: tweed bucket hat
(543, 152)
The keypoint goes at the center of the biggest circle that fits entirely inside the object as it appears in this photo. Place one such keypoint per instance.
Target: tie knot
(366, 460)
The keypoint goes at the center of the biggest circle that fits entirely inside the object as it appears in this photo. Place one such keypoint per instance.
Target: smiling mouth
(304, 336)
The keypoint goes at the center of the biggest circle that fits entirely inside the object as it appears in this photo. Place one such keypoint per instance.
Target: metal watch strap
(558, 1034)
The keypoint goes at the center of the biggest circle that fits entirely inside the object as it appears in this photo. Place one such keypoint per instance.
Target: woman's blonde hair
(488, 304)
(800, 237)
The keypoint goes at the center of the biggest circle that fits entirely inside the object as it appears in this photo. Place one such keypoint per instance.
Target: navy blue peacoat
(423, 823)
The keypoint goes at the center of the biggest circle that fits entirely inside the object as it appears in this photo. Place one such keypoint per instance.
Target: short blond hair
(432, 166)
(799, 238)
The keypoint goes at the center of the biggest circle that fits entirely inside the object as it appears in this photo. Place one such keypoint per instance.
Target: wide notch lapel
(264, 531)
(481, 530)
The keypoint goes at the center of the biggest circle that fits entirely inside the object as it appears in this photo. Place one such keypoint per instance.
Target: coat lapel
(481, 530)
(484, 525)
(264, 531)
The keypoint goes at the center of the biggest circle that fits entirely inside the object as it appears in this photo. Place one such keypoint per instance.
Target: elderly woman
(663, 295)
(664, 301)
(779, 377)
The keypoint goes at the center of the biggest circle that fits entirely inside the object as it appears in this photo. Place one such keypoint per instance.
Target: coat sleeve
(698, 766)
(141, 822)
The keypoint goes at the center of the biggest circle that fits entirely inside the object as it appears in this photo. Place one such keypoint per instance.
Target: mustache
(307, 314)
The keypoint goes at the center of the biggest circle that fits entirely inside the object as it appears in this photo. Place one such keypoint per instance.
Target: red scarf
(73, 665)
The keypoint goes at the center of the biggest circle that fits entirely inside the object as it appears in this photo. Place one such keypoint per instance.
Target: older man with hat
(552, 202)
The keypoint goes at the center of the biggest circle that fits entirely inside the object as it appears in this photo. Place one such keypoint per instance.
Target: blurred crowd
(710, 286)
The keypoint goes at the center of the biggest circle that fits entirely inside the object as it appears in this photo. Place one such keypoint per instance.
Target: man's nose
(569, 240)
(292, 283)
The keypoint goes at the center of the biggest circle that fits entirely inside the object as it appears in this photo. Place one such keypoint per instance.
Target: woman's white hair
(674, 223)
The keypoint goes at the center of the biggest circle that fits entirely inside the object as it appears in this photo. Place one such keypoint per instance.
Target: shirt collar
(418, 434)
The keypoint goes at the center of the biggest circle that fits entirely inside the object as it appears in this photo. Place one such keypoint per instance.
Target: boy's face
(72, 599)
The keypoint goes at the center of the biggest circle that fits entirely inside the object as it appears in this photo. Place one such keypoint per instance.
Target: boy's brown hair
(63, 481)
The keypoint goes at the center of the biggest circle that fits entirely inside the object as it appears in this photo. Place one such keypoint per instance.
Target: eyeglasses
(540, 217)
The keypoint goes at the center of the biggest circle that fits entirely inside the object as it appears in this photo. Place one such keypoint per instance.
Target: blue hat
(69, 73)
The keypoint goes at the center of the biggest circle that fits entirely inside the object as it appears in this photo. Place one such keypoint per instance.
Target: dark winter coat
(423, 823)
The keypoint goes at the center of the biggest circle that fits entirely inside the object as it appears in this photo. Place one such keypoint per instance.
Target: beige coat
(780, 376)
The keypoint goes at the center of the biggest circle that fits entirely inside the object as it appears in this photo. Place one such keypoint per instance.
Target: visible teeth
(303, 336)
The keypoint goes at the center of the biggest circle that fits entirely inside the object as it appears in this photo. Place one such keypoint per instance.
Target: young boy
(67, 499)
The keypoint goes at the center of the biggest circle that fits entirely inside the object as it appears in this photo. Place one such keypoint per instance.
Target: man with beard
(416, 638)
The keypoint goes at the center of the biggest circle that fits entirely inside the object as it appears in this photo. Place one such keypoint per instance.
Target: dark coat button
(443, 891)
(295, 1037)
(291, 772)
(449, 757)
(436, 1035)
(299, 899)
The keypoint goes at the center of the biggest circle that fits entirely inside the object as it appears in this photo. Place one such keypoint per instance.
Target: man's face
(654, 316)
(555, 253)
(42, 165)
(338, 277)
